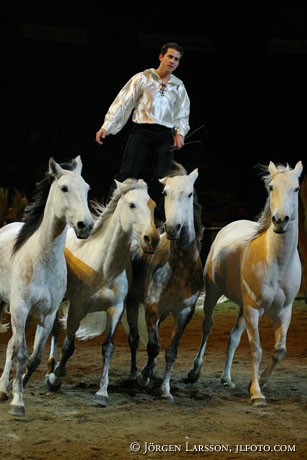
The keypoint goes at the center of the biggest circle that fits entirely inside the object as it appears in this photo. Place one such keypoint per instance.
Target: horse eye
(131, 205)
(190, 195)
(64, 188)
(297, 189)
(164, 193)
(270, 188)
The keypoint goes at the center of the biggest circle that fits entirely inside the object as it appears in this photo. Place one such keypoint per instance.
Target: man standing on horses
(161, 109)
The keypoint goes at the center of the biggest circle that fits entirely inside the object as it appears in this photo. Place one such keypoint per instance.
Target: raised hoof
(3, 396)
(103, 401)
(259, 402)
(52, 386)
(18, 411)
(141, 381)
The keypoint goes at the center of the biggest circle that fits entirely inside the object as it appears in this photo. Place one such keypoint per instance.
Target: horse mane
(104, 213)
(264, 219)
(34, 211)
(179, 170)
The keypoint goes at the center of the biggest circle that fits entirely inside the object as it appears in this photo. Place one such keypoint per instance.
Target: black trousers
(148, 143)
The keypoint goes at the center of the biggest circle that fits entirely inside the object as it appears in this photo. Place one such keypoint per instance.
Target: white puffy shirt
(150, 102)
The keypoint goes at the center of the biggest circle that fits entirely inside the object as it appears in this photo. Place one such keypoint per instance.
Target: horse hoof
(3, 396)
(141, 381)
(18, 411)
(169, 398)
(132, 375)
(192, 377)
(259, 402)
(103, 401)
(228, 384)
(52, 386)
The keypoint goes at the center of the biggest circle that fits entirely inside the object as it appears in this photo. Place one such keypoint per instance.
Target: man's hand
(100, 135)
(178, 141)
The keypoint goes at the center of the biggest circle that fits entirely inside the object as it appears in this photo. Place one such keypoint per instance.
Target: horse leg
(232, 344)
(211, 297)
(5, 377)
(20, 357)
(54, 379)
(74, 317)
(132, 312)
(281, 326)
(55, 332)
(41, 336)
(153, 346)
(113, 317)
(252, 328)
(171, 351)
(3, 310)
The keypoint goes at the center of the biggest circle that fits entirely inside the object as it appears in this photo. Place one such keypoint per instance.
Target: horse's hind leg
(75, 315)
(3, 309)
(55, 332)
(54, 379)
(232, 344)
(212, 294)
(5, 377)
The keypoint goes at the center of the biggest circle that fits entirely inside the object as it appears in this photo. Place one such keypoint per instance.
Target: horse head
(178, 203)
(137, 213)
(282, 185)
(70, 193)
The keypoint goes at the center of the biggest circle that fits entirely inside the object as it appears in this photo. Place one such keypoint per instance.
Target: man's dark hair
(173, 45)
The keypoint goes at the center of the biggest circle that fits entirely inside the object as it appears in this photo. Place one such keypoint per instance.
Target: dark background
(245, 71)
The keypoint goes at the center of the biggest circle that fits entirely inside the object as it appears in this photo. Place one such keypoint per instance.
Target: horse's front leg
(171, 351)
(20, 358)
(132, 313)
(113, 317)
(211, 298)
(153, 345)
(252, 328)
(281, 326)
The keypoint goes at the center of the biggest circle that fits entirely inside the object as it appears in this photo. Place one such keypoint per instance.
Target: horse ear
(119, 185)
(298, 168)
(272, 168)
(194, 175)
(163, 180)
(54, 168)
(78, 164)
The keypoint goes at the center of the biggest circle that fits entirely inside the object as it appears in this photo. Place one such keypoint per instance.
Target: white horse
(168, 281)
(257, 266)
(33, 273)
(100, 273)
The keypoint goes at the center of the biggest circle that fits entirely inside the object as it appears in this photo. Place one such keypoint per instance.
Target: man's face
(170, 60)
